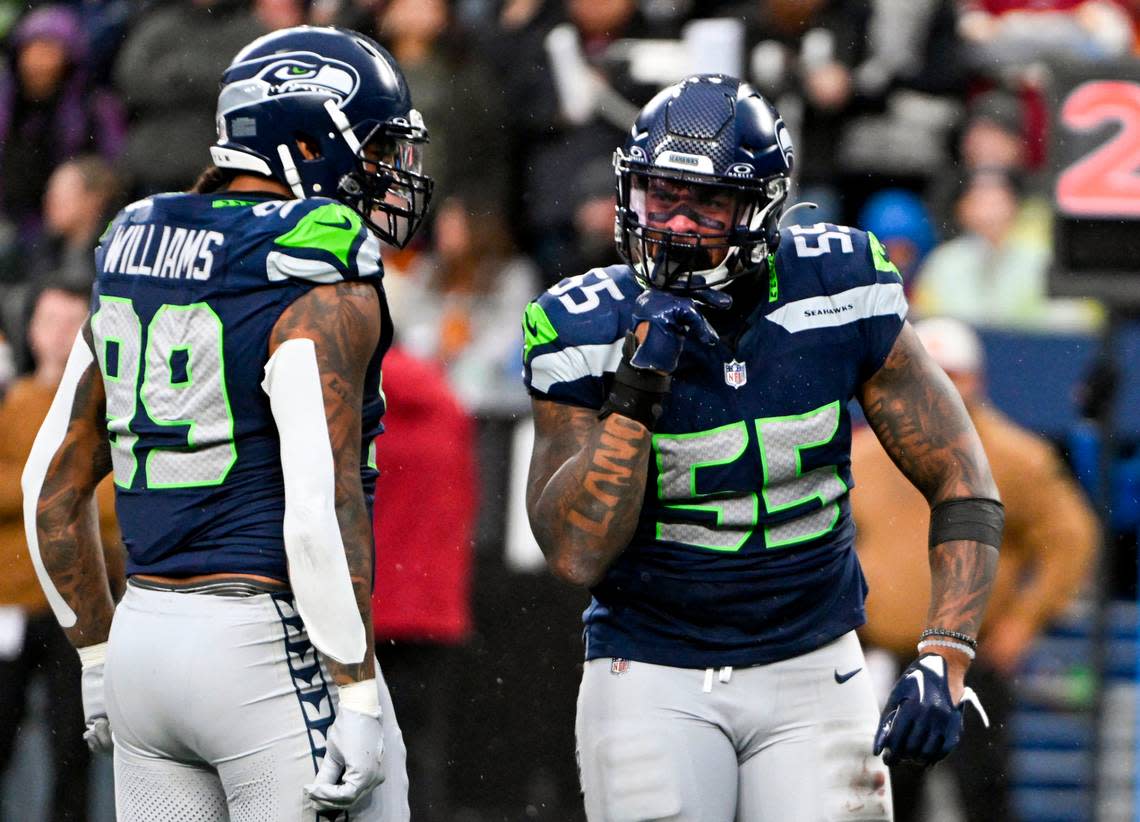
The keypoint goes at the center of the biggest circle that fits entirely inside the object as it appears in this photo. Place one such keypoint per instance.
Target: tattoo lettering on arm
(343, 321)
(612, 466)
(923, 425)
(586, 486)
(66, 519)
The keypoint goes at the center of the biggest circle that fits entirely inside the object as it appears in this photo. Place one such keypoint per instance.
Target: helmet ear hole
(309, 147)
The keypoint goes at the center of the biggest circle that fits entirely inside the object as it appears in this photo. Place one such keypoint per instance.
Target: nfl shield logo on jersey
(735, 373)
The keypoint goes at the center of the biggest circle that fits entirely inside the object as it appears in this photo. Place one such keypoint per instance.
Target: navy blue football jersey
(744, 551)
(189, 288)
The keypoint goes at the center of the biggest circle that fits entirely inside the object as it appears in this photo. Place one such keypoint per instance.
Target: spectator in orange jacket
(1050, 537)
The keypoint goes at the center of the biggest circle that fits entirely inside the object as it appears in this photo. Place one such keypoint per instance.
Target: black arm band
(972, 518)
(637, 393)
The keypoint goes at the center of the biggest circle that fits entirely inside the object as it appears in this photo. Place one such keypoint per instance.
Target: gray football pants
(786, 742)
(219, 708)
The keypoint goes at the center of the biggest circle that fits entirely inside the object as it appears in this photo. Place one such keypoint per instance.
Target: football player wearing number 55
(692, 468)
(229, 377)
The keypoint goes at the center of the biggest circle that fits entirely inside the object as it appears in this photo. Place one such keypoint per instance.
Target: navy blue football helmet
(328, 113)
(717, 140)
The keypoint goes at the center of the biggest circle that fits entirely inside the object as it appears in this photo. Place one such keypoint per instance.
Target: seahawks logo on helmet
(288, 74)
(309, 74)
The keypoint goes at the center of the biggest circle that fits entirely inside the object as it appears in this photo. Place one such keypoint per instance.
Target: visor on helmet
(388, 187)
(683, 230)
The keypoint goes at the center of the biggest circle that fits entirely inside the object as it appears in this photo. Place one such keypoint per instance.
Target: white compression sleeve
(318, 568)
(47, 442)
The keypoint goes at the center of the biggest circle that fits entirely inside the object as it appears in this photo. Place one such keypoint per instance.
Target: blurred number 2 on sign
(1106, 182)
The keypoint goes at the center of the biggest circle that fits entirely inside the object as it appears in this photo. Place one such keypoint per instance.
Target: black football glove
(920, 722)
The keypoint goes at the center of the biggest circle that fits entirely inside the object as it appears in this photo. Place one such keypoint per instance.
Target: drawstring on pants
(724, 677)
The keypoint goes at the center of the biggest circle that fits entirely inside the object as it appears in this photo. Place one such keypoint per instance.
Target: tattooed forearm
(356, 532)
(961, 574)
(66, 519)
(587, 482)
(923, 425)
(343, 321)
(919, 418)
(611, 467)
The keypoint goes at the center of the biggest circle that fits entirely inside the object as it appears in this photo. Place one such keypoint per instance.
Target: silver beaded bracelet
(948, 643)
(946, 633)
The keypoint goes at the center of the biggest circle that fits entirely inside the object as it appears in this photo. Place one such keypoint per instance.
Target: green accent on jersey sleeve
(773, 280)
(332, 228)
(879, 255)
(232, 203)
(537, 329)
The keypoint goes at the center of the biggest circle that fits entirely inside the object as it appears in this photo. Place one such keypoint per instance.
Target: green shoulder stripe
(333, 228)
(537, 329)
(879, 255)
(232, 203)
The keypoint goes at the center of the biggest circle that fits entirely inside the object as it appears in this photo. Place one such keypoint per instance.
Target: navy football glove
(673, 318)
(920, 722)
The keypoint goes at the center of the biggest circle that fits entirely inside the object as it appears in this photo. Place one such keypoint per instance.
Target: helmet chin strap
(709, 275)
(343, 126)
(292, 177)
(721, 271)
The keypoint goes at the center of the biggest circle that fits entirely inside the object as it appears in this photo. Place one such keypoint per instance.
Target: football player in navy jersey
(229, 376)
(692, 466)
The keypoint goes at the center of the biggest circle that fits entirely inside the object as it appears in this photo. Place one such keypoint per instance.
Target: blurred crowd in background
(925, 121)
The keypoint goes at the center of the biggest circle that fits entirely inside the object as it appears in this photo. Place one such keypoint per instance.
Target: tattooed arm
(343, 322)
(584, 494)
(67, 526)
(919, 418)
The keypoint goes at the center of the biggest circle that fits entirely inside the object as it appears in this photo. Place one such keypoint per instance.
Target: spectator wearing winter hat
(48, 111)
(901, 222)
(82, 195)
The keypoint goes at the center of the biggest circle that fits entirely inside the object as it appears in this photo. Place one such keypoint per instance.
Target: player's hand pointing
(351, 767)
(664, 321)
